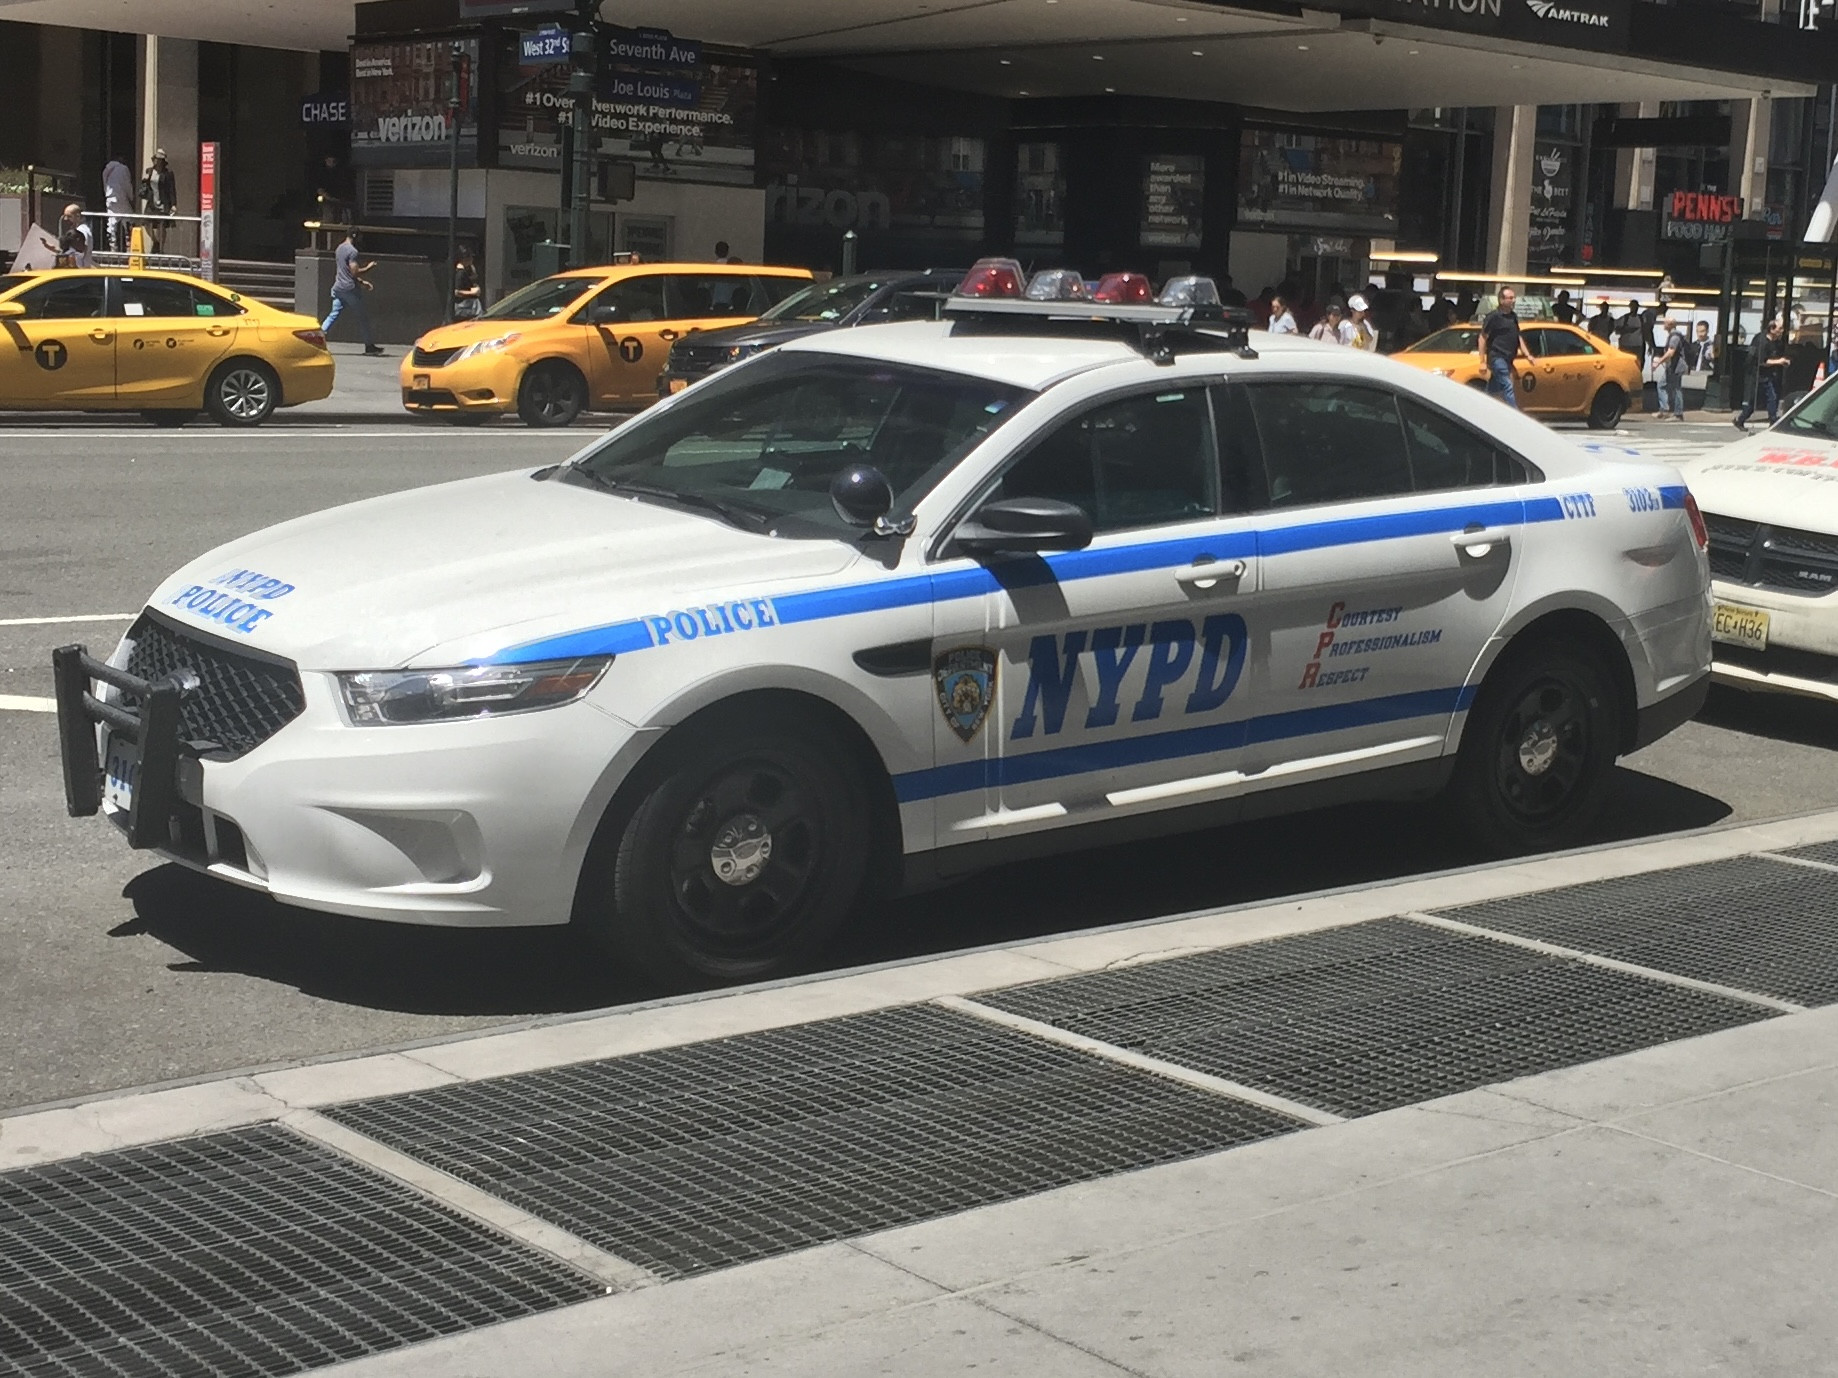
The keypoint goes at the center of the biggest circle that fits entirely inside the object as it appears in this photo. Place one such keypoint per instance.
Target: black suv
(863, 299)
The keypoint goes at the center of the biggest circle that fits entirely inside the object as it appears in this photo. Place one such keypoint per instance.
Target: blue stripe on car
(815, 605)
(1089, 758)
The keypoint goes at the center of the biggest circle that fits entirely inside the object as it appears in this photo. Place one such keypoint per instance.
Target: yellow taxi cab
(587, 339)
(165, 345)
(1576, 376)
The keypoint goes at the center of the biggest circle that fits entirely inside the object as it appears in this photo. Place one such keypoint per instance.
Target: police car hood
(1787, 478)
(461, 571)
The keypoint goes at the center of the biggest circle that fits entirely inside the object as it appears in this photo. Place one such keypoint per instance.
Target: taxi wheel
(739, 863)
(243, 392)
(1606, 407)
(1538, 752)
(167, 418)
(552, 394)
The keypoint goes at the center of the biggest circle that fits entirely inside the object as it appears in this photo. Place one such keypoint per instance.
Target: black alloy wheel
(1606, 407)
(739, 863)
(552, 394)
(1538, 751)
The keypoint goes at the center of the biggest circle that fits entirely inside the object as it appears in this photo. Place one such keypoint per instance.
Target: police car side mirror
(861, 494)
(1024, 526)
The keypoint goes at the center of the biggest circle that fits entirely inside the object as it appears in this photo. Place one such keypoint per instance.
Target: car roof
(1037, 361)
(618, 269)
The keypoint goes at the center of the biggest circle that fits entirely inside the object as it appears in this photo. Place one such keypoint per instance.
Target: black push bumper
(152, 725)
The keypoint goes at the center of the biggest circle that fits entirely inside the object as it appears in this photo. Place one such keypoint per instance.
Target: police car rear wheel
(552, 394)
(242, 392)
(1606, 407)
(1537, 754)
(741, 862)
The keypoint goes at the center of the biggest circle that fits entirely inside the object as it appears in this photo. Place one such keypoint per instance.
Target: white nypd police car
(885, 606)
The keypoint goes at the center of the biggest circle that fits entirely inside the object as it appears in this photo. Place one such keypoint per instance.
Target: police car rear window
(762, 440)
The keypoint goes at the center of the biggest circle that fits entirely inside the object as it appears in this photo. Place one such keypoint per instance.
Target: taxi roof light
(1124, 287)
(992, 277)
(1057, 284)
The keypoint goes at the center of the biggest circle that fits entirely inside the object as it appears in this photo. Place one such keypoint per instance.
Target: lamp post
(581, 88)
(458, 56)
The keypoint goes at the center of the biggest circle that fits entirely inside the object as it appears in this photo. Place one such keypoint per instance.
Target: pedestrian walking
(468, 298)
(1327, 329)
(348, 287)
(1562, 311)
(1502, 346)
(118, 201)
(1282, 321)
(1602, 324)
(75, 247)
(1669, 372)
(1770, 373)
(159, 198)
(1633, 333)
(1357, 330)
(721, 252)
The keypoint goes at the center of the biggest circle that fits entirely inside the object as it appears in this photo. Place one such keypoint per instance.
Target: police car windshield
(767, 436)
(1457, 339)
(541, 300)
(825, 301)
(1817, 415)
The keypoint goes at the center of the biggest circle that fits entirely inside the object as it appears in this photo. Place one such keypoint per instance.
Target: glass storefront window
(918, 185)
(1040, 195)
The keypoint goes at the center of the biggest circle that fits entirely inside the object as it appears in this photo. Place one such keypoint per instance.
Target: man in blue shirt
(348, 288)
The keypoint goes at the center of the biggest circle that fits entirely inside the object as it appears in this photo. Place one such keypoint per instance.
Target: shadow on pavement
(532, 971)
(1778, 717)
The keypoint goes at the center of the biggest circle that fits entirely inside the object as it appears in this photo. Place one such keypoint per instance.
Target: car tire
(552, 394)
(1538, 752)
(243, 392)
(1606, 407)
(678, 887)
(167, 418)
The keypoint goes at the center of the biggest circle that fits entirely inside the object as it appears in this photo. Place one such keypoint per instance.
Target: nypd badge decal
(966, 684)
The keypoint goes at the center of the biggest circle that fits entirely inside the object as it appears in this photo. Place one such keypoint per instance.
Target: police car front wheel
(740, 862)
(1538, 751)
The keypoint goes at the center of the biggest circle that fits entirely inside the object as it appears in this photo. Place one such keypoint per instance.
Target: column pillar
(60, 103)
(1634, 166)
(169, 112)
(1509, 219)
(1751, 123)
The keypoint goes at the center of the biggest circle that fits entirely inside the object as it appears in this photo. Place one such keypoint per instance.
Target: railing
(168, 236)
(323, 235)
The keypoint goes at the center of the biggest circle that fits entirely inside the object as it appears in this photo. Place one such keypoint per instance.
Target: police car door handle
(1478, 541)
(1205, 571)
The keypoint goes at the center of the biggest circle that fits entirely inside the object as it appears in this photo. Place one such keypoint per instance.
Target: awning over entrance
(1341, 55)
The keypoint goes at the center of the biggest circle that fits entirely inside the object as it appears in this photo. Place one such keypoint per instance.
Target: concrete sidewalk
(1672, 1211)
(1669, 1210)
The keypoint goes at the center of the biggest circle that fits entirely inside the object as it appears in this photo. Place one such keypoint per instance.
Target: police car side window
(1138, 461)
(1328, 442)
(71, 299)
(1445, 454)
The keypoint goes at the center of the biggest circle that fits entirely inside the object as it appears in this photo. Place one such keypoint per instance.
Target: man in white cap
(1357, 329)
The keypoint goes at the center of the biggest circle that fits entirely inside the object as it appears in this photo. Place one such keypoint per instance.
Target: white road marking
(76, 617)
(615, 1272)
(1110, 1052)
(20, 703)
(1595, 959)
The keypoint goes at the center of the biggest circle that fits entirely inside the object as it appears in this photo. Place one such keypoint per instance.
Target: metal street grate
(1749, 923)
(252, 1252)
(1373, 1016)
(692, 1158)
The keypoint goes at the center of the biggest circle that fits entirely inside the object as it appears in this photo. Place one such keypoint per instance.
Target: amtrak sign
(1600, 24)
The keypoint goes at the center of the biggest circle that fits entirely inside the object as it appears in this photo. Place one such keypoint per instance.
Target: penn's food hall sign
(1705, 216)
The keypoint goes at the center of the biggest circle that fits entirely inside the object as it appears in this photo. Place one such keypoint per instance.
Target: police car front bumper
(479, 822)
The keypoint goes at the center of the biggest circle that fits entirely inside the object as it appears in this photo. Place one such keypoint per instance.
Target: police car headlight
(376, 697)
(486, 346)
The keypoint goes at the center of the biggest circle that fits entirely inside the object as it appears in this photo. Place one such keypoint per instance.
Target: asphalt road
(117, 972)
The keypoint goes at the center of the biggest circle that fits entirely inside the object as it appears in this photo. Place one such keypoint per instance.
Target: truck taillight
(316, 338)
(1699, 532)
